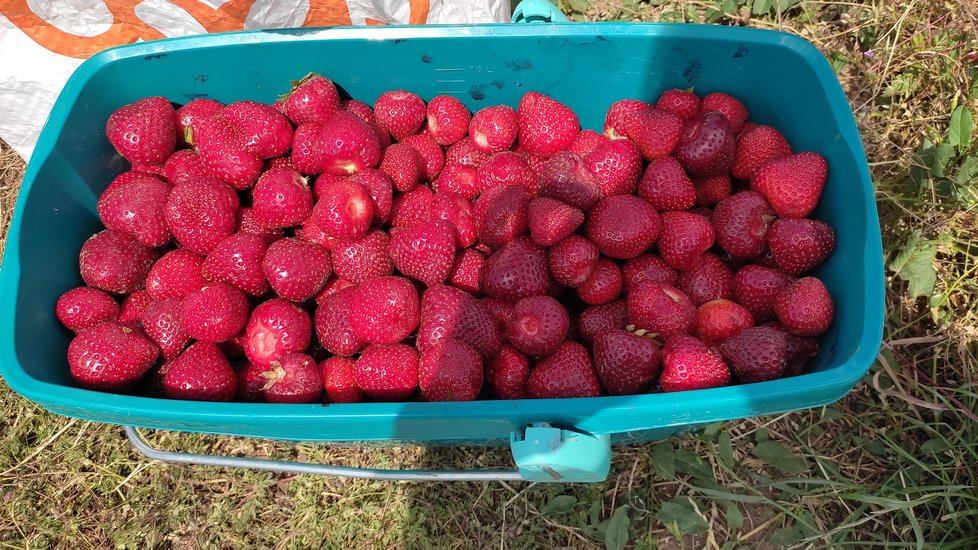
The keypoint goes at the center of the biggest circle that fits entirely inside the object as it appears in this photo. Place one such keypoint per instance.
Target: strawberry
(797, 352)
(494, 129)
(84, 307)
(710, 191)
(546, 126)
(603, 285)
(465, 153)
(403, 165)
(465, 271)
(517, 270)
(381, 192)
(115, 262)
(551, 221)
(333, 285)
(295, 378)
(457, 211)
(683, 103)
(459, 179)
(308, 154)
(281, 198)
(617, 165)
(614, 119)
(280, 163)
(412, 208)
(501, 215)
(132, 309)
(566, 177)
(448, 119)
(215, 313)
(661, 309)
(333, 326)
(655, 131)
(137, 209)
(800, 245)
(756, 354)
(399, 112)
(247, 223)
(312, 99)
(567, 373)
(201, 373)
(755, 147)
(110, 357)
(339, 380)
(425, 252)
(387, 372)
(572, 260)
(506, 168)
(720, 319)
(805, 307)
(201, 213)
(539, 325)
(237, 261)
(384, 310)
(250, 383)
(145, 131)
(623, 226)
(163, 325)
(507, 374)
(756, 287)
(344, 211)
(360, 109)
(501, 311)
(184, 165)
(585, 142)
(685, 237)
(706, 147)
(688, 364)
(626, 364)
(450, 371)
(295, 269)
(596, 319)
(710, 279)
(535, 162)
(188, 115)
(731, 108)
(233, 143)
(432, 156)
(666, 186)
(366, 258)
(741, 222)
(647, 267)
(348, 145)
(447, 312)
(792, 184)
(275, 328)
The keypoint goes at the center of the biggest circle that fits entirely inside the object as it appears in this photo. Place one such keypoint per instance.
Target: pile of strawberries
(415, 250)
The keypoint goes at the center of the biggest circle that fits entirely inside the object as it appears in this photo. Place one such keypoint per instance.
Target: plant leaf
(681, 512)
(616, 536)
(664, 459)
(761, 7)
(915, 264)
(579, 5)
(943, 154)
(786, 536)
(560, 504)
(959, 131)
(725, 449)
(735, 519)
(934, 446)
(780, 457)
(690, 463)
(967, 171)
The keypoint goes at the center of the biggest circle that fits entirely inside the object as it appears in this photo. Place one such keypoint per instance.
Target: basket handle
(538, 11)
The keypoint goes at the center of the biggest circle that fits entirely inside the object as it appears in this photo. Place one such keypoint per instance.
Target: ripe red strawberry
(163, 324)
(614, 119)
(585, 142)
(248, 224)
(465, 153)
(110, 357)
(184, 165)
(366, 258)
(281, 198)
(201, 213)
(756, 354)
(623, 226)
(284, 163)
(683, 103)
(312, 99)
(459, 179)
(501, 311)
(334, 284)
(359, 108)
(432, 156)
(308, 154)
(233, 143)
(295, 269)
(731, 107)
(596, 319)
(132, 308)
(710, 279)
(447, 312)
(539, 325)
(507, 374)
(465, 271)
(115, 262)
(275, 328)
(250, 383)
(655, 131)
(295, 378)
(720, 319)
(551, 221)
(381, 192)
(706, 147)
(741, 223)
(448, 119)
(145, 131)
(458, 212)
(387, 372)
(756, 146)
(603, 285)
(805, 307)
(190, 113)
(333, 326)
(344, 211)
(137, 209)
(450, 371)
(712, 190)
(756, 287)
(617, 165)
(384, 310)
(793, 184)
(506, 168)
(797, 352)
(661, 309)
(666, 186)
(647, 267)
(201, 373)
(348, 145)
(515, 271)
(215, 313)
(545, 125)
(403, 165)
(412, 208)
(688, 364)
(237, 261)
(685, 237)
(572, 260)
(494, 129)
(800, 245)
(535, 162)
(84, 307)
(425, 252)
(626, 364)
(567, 373)
(339, 380)
(502, 214)
(399, 112)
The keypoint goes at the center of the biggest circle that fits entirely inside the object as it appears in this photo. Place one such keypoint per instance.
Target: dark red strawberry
(189, 114)
(465, 271)
(387, 372)
(110, 357)
(115, 262)
(596, 319)
(132, 308)
(661, 309)
(551, 221)
(546, 126)
(720, 319)
(666, 186)
(685, 237)
(250, 383)
(501, 311)
(458, 212)
(163, 324)
(800, 245)
(184, 165)
(281, 198)
(706, 147)
(425, 252)
(344, 211)
(412, 208)
(138, 209)
(741, 223)
(756, 354)
(366, 258)
(797, 352)
(450, 371)
(237, 261)
(403, 165)
(399, 112)
(710, 279)
(501, 215)
(384, 310)
(539, 325)
(214, 313)
(201, 213)
(688, 364)
(201, 373)
(712, 190)
(756, 287)
(755, 147)
(617, 165)
(731, 107)
(432, 156)
(615, 117)
(603, 285)
(295, 378)
(585, 142)
(459, 179)
(805, 307)
(312, 99)
(515, 271)
(448, 119)
(623, 226)
(447, 312)
(647, 267)
(506, 168)
(381, 192)
(566, 177)
(84, 307)
(333, 326)
(145, 131)
(507, 374)
(494, 129)
(572, 260)
(295, 269)
(348, 145)
(793, 184)
(682, 103)
(655, 131)
(339, 380)
(465, 153)
(567, 373)
(626, 364)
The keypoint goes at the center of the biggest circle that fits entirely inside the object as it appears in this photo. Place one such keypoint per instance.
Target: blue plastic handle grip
(538, 11)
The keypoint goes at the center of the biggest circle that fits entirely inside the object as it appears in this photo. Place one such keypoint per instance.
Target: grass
(890, 465)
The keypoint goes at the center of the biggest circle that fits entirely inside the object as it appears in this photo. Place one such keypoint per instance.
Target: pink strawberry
(756, 354)
(84, 307)
(201, 213)
(539, 325)
(546, 126)
(623, 226)
(387, 372)
(688, 364)
(603, 285)
(706, 147)
(233, 143)
(384, 310)
(214, 313)
(655, 131)
(281, 198)
(432, 156)
(465, 153)
(115, 262)
(734, 111)
(344, 211)
(755, 147)
(448, 119)
(381, 192)
(400, 112)
(666, 186)
(710, 279)
(506, 168)
(137, 209)
(333, 326)
(685, 237)
(457, 211)
(741, 222)
(275, 328)
(501, 215)
(412, 208)
(567, 373)
(237, 261)
(792, 184)
(756, 287)
(465, 271)
(163, 324)
(710, 191)
(585, 142)
(295, 378)
(507, 374)
(596, 319)
(614, 126)
(110, 357)
(366, 258)
(312, 99)
(348, 145)
(494, 129)
(661, 309)
(145, 131)
(617, 165)
(572, 260)
(683, 103)
(339, 380)
(515, 271)
(626, 364)
(459, 179)
(805, 307)
(450, 371)
(247, 223)
(295, 269)
(800, 245)
(448, 312)
(720, 319)
(551, 221)
(189, 114)
(425, 252)
(184, 165)
(132, 309)
(201, 373)
(308, 154)
(403, 165)
(647, 267)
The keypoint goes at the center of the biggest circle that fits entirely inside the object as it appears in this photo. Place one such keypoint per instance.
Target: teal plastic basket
(782, 79)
